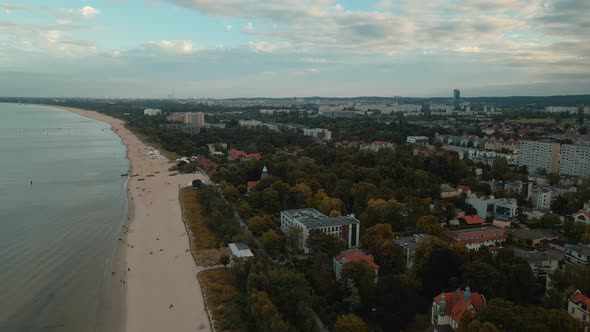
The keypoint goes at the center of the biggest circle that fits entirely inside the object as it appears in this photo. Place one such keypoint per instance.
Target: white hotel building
(346, 228)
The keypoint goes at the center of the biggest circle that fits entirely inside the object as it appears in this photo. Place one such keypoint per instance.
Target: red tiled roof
(206, 163)
(381, 143)
(255, 155)
(252, 184)
(587, 214)
(234, 154)
(578, 298)
(456, 304)
(355, 255)
(473, 220)
(464, 188)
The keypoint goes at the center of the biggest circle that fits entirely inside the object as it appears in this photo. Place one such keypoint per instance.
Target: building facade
(577, 254)
(320, 133)
(346, 228)
(539, 156)
(476, 237)
(409, 245)
(194, 119)
(578, 306)
(448, 308)
(152, 112)
(575, 160)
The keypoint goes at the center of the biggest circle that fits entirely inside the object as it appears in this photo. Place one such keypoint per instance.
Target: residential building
(240, 251)
(448, 308)
(447, 191)
(320, 133)
(353, 255)
(380, 145)
(562, 109)
(337, 114)
(194, 119)
(582, 216)
(541, 197)
(152, 112)
(578, 306)
(505, 208)
(577, 254)
(543, 263)
(501, 208)
(250, 123)
(306, 220)
(532, 237)
(213, 148)
(476, 237)
(420, 140)
(575, 160)
(539, 156)
(496, 145)
(409, 245)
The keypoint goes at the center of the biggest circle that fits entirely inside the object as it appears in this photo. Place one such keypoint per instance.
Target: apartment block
(539, 156)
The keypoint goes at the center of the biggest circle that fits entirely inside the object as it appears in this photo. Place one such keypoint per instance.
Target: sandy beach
(153, 285)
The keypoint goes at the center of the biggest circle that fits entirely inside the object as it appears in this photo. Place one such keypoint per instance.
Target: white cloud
(313, 60)
(175, 46)
(249, 27)
(88, 11)
(261, 46)
(10, 6)
(116, 54)
(228, 28)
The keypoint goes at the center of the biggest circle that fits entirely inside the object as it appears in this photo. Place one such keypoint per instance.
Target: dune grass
(222, 299)
(204, 243)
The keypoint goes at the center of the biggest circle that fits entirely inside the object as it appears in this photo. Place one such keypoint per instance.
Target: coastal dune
(153, 284)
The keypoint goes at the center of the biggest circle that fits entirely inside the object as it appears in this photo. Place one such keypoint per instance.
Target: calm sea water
(57, 235)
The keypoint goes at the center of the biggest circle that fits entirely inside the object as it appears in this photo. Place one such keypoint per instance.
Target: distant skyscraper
(456, 94)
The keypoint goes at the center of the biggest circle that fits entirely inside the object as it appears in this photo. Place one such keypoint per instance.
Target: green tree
(231, 193)
(245, 209)
(272, 242)
(319, 242)
(350, 323)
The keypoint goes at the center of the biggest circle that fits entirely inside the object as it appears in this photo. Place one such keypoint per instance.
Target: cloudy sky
(276, 48)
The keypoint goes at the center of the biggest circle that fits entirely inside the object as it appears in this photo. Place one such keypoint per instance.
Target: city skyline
(234, 48)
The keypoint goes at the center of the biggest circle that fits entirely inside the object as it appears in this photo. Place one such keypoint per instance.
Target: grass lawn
(204, 243)
(221, 299)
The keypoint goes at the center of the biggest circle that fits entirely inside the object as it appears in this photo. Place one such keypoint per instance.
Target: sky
(293, 48)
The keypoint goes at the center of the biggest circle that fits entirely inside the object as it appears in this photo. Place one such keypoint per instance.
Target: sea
(62, 205)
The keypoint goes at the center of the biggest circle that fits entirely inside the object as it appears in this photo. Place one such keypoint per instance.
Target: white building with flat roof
(320, 133)
(346, 228)
(152, 112)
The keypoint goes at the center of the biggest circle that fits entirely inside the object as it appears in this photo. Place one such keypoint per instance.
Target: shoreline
(153, 284)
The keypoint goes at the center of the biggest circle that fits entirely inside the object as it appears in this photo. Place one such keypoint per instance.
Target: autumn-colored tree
(260, 224)
(429, 224)
(265, 315)
(350, 323)
(379, 241)
(272, 242)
